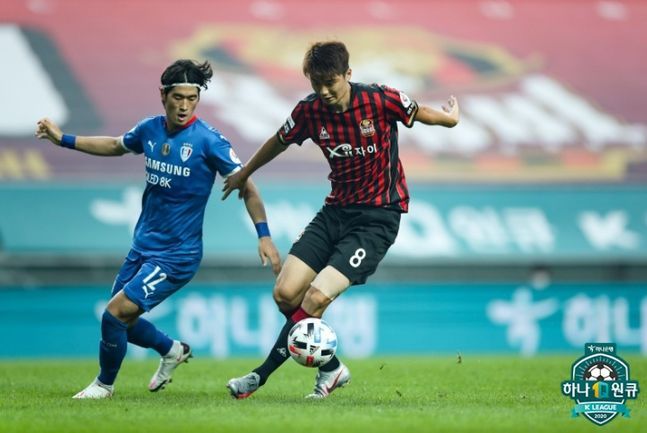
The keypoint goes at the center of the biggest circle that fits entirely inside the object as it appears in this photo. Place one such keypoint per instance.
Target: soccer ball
(312, 342)
(600, 371)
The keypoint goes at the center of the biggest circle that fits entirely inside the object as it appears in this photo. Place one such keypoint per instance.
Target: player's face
(179, 104)
(334, 90)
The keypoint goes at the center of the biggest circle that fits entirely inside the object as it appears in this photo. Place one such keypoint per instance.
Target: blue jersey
(181, 168)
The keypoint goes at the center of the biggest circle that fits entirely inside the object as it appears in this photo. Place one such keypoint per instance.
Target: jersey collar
(189, 123)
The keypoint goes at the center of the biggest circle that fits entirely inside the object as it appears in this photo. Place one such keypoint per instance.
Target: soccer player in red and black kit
(355, 126)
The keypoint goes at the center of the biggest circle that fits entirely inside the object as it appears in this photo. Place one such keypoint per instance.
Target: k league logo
(600, 384)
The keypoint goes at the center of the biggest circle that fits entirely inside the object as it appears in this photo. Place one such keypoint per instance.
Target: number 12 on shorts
(149, 286)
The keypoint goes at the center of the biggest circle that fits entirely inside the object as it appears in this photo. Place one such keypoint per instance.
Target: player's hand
(235, 181)
(46, 129)
(267, 251)
(452, 108)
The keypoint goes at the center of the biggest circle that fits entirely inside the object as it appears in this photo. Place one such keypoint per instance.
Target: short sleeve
(295, 129)
(221, 155)
(399, 106)
(132, 141)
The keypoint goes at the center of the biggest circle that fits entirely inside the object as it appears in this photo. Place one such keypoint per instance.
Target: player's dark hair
(325, 59)
(187, 71)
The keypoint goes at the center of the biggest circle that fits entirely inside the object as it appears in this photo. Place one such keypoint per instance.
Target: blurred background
(528, 224)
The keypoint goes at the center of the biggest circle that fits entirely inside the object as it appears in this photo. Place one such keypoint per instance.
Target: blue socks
(145, 334)
(115, 336)
(112, 348)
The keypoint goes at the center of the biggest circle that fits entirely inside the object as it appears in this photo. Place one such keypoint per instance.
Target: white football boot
(243, 387)
(96, 390)
(328, 381)
(179, 353)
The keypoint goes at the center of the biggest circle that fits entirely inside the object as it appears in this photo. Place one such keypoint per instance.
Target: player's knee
(316, 299)
(286, 300)
(122, 308)
(119, 313)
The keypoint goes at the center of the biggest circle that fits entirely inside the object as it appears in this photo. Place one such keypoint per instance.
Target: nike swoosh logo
(334, 384)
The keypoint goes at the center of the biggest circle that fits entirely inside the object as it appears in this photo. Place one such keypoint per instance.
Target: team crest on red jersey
(185, 151)
(366, 127)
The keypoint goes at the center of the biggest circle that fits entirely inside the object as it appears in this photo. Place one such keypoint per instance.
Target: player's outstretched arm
(267, 152)
(256, 210)
(102, 146)
(449, 116)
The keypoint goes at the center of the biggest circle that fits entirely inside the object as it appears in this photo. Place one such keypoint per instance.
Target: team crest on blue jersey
(185, 151)
(366, 127)
(166, 149)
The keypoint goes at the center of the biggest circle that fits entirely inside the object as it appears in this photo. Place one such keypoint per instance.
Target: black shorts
(351, 239)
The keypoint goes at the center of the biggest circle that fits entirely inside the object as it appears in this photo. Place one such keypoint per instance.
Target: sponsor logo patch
(234, 157)
(600, 384)
(288, 125)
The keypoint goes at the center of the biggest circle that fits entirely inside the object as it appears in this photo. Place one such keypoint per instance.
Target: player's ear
(349, 73)
(162, 95)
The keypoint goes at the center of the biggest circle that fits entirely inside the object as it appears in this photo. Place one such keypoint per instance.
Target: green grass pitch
(387, 394)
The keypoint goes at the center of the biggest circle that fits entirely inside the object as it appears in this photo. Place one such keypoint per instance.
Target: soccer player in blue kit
(355, 125)
(182, 154)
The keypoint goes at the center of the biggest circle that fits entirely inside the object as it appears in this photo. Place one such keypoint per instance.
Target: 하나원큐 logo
(600, 384)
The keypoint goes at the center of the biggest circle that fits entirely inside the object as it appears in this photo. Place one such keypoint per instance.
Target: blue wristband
(68, 141)
(262, 229)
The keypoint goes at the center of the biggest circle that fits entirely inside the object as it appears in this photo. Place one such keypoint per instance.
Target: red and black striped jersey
(360, 144)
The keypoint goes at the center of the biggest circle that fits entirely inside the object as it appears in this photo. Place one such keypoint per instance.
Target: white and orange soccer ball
(312, 342)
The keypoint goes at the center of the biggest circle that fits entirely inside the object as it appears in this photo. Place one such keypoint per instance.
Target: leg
(326, 287)
(290, 288)
(139, 287)
(112, 348)
(148, 288)
(366, 239)
(144, 334)
(141, 332)
(292, 283)
(173, 352)
(308, 255)
(114, 337)
(328, 284)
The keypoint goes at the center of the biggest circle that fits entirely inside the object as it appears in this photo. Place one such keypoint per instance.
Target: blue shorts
(147, 281)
